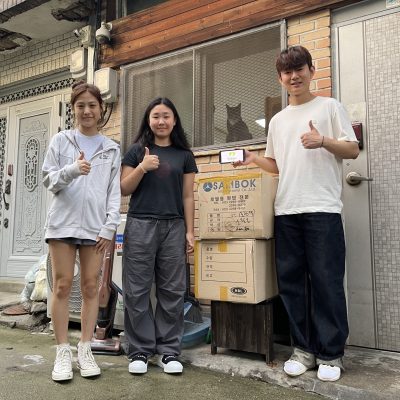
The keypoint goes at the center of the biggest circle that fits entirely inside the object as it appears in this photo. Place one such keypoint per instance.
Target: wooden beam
(180, 23)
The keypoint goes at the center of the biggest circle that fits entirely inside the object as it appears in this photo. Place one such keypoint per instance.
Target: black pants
(310, 262)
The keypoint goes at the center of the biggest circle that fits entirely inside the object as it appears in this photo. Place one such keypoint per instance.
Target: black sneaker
(138, 364)
(170, 364)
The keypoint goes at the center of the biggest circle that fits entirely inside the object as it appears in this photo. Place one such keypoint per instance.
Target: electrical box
(86, 36)
(106, 79)
(77, 65)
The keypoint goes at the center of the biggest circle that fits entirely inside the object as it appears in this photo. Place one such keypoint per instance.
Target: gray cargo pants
(154, 248)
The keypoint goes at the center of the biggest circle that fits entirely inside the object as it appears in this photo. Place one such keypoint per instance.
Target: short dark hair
(292, 58)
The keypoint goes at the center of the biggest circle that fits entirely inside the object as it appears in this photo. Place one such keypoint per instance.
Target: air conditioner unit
(75, 301)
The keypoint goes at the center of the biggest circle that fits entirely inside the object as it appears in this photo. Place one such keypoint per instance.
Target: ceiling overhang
(40, 20)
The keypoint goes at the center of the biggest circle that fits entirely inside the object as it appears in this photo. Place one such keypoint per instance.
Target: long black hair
(145, 136)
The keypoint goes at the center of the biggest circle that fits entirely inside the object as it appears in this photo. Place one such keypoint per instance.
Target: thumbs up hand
(311, 139)
(150, 161)
(84, 166)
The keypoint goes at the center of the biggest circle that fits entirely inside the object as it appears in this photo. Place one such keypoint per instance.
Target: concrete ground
(26, 361)
(370, 374)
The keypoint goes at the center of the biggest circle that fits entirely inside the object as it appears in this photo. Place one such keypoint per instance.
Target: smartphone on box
(230, 156)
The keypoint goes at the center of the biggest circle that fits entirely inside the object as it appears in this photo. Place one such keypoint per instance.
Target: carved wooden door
(31, 125)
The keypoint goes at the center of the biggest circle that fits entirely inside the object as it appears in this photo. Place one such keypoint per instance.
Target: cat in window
(237, 128)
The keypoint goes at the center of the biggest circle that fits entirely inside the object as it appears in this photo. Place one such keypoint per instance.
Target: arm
(56, 177)
(266, 163)
(113, 201)
(131, 177)
(188, 207)
(340, 148)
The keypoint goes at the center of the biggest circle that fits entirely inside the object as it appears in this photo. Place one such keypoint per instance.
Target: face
(87, 113)
(162, 122)
(297, 81)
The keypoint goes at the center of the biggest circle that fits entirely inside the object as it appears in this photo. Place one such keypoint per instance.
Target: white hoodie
(83, 206)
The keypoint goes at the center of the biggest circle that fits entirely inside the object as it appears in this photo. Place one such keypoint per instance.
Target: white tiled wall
(383, 68)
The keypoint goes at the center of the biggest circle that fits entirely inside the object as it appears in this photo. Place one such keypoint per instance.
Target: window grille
(220, 89)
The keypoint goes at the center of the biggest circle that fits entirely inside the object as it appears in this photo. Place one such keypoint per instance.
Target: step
(12, 285)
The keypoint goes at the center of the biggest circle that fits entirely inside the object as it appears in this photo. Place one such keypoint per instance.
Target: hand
(150, 162)
(102, 244)
(84, 166)
(249, 157)
(311, 139)
(189, 243)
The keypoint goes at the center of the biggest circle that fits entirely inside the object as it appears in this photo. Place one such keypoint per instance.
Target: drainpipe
(93, 48)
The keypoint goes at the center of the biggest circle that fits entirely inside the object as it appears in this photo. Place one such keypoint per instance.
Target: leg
(171, 285)
(326, 258)
(140, 247)
(293, 281)
(91, 263)
(62, 262)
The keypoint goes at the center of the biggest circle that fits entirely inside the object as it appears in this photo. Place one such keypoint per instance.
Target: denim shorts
(75, 241)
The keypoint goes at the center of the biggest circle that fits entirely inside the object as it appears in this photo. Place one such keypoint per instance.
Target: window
(220, 89)
(133, 6)
(126, 7)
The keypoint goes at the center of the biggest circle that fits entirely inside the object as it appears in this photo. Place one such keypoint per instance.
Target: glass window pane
(236, 86)
(133, 6)
(170, 77)
(225, 92)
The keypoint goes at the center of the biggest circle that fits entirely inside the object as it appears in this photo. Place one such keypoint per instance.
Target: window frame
(125, 73)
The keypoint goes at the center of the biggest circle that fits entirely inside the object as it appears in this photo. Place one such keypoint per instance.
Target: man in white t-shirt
(306, 144)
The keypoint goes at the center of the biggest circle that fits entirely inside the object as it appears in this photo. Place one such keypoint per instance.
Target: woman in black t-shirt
(158, 172)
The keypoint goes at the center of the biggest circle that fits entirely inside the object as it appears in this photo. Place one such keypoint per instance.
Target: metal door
(368, 66)
(24, 200)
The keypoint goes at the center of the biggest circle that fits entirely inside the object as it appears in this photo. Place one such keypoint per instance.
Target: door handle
(5, 222)
(354, 178)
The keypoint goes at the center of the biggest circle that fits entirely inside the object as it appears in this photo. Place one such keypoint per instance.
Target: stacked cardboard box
(234, 258)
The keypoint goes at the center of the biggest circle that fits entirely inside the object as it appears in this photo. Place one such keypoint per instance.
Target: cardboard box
(235, 270)
(237, 205)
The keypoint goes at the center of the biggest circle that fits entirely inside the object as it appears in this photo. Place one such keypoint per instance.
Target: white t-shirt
(89, 144)
(310, 180)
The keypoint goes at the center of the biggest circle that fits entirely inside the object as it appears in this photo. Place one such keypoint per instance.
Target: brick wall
(37, 59)
(313, 32)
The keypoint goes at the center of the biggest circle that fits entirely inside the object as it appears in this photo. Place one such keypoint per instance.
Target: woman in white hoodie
(82, 170)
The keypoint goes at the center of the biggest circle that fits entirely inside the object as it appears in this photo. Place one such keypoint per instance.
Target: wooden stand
(245, 327)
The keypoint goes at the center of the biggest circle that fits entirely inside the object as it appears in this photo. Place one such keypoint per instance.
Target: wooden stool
(245, 327)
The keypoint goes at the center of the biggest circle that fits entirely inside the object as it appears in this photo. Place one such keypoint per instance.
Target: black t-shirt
(159, 193)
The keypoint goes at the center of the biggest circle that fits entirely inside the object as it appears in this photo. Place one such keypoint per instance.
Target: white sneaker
(294, 368)
(170, 364)
(86, 361)
(62, 370)
(138, 365)
(328, 373)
